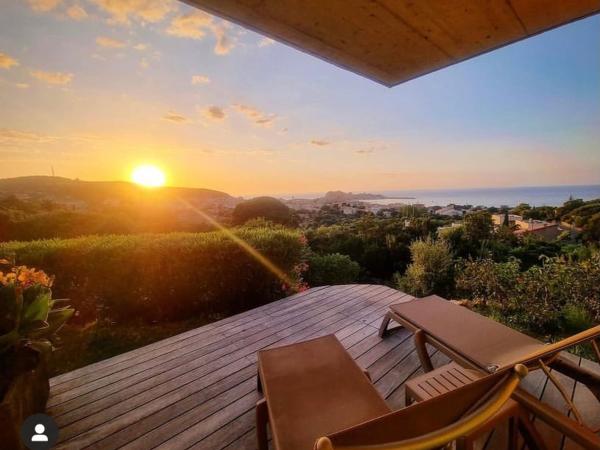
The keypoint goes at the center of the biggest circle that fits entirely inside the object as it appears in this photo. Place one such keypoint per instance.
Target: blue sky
(94, 88)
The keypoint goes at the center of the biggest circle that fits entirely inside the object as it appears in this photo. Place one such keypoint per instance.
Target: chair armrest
(431, 423)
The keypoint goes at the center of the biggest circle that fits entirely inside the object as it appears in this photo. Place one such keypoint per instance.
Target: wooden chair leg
(513, 435)
(262, 418)
(258, 383)
(384, 324)
(531, 436)
(464, 443)
(422, 351)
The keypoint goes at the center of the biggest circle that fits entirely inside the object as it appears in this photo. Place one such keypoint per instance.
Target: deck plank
(198, 389)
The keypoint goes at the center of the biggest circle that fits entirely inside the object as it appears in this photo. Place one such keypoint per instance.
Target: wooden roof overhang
(393, 41)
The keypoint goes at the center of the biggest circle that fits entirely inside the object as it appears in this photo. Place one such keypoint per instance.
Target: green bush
(331, 269)
(559, 296)
(165, 276)
(431, 269)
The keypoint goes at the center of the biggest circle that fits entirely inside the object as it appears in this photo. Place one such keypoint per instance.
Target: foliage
(29, 317)
(268, 208)
(543, 299)
(431, 269)
(166, 276)
(331, 269)
(379, 246)
(478, 226)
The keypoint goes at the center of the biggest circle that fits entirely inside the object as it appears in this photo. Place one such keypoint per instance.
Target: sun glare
(148, 176)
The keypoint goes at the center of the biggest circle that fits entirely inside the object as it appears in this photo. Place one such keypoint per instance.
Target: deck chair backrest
(431, 423)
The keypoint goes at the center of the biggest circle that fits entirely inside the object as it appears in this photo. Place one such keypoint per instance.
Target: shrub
(559, 295)
(268, 208)
(165, 276)
(431, 268)
(331, 269)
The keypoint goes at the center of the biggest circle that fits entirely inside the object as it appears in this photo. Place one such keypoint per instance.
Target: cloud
(175, 117)
(140, 47)
(320, 142)
(256, 116)
(196, 24)
(19, 137)
(22, 85)
(365, 151)
(56, 78)
(76, 12)
(224, 43)
(123, 11)
(144, 64)
(107, 42)
(214, 113)
(43, 5)
(265, 42)
(200, 79)
(6, 62)
(192, 25)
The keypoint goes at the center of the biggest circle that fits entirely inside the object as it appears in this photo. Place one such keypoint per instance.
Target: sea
(508, 196)
(512, 196)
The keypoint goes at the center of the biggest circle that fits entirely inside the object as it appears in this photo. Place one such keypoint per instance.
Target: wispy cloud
(214, 112)
(107, 42)
(192, 25)
(196, 24)
(175, 117)
(55, 78)
(200, 79)
(6, 62)
(124, 11)
(22, 85)
(43, 5)
(320, 142)
(224, 43)
(365, 151)
(265, 42)
(76, 12)
(19, 137)
(256, 116)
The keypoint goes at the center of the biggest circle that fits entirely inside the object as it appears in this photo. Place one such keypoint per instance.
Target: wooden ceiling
(392, 41)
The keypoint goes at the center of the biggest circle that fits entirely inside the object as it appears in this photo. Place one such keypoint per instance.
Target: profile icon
(39, 435)
(39, 432)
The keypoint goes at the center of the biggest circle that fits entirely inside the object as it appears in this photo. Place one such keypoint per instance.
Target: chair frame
(547, 358)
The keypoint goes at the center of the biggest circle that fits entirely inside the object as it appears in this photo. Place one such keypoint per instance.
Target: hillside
(91, 193)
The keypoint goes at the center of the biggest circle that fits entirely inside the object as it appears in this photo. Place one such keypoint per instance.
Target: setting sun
(148, 176)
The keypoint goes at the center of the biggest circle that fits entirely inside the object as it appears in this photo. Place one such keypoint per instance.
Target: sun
(148, 176)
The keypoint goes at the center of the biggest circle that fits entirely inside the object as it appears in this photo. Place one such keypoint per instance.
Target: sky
(94, 88)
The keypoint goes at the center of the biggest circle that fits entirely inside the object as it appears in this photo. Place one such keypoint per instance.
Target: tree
(268, 208)
(431, 269)
(478, 226)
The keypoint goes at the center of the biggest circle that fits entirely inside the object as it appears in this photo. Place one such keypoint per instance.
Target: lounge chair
(477, 342)
(316, 396)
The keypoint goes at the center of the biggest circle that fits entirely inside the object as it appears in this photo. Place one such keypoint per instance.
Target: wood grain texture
(198, 389)
(392, 41)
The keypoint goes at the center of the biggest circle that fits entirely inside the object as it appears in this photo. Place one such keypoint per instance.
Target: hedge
(164, 276)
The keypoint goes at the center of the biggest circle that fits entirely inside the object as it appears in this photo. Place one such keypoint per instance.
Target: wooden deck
(198, 389)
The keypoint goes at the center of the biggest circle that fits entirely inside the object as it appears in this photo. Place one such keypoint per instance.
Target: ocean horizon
(510, 196)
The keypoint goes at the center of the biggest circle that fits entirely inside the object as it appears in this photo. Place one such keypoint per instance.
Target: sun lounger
(478, 342)
(316, 396)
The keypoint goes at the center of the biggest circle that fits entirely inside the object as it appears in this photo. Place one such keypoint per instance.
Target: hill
(86, 194)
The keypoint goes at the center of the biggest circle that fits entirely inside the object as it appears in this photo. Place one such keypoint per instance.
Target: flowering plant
(29, 317)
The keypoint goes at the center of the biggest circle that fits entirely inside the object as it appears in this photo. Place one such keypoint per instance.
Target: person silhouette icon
(39, 435)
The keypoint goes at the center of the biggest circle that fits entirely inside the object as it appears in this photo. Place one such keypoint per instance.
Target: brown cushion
(481, 340)
(314, 388)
